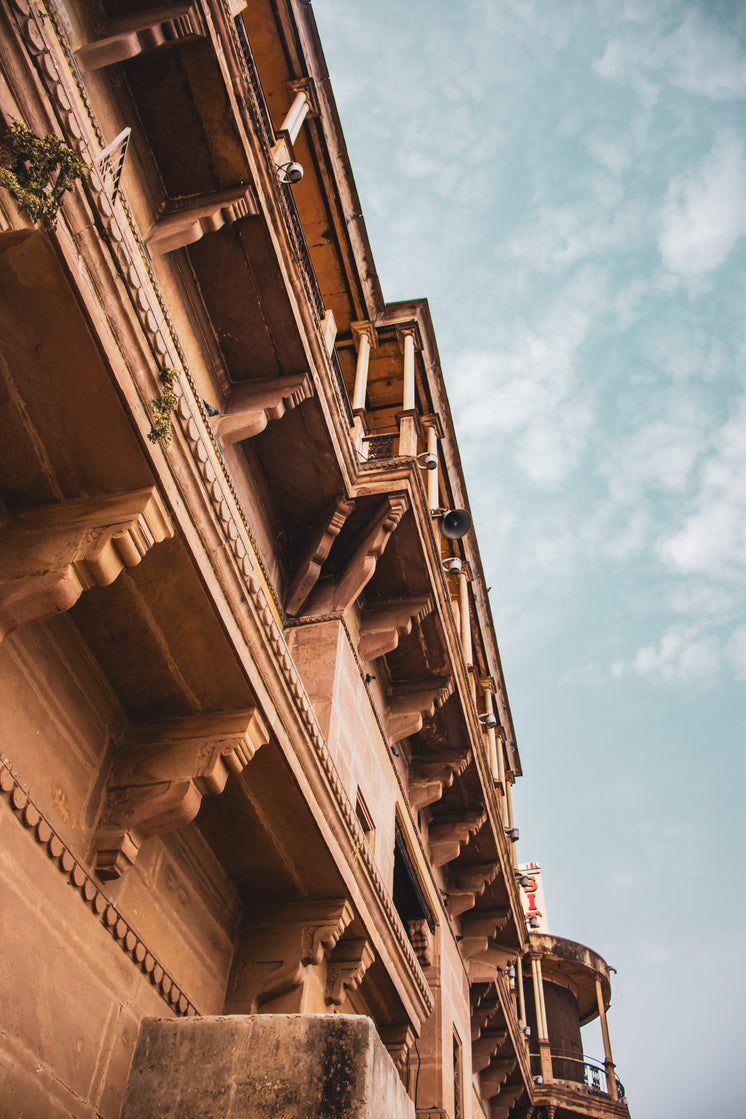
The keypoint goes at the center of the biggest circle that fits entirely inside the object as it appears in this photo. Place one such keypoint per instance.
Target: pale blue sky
(566, 183)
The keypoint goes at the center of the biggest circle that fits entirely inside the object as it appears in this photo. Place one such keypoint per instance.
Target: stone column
(366, 339)
(521, 993)
(295, 115)
(464, 619)
(487, 687)
(432, 475)
(545, 1051)
(408, 419)
(608, 1058)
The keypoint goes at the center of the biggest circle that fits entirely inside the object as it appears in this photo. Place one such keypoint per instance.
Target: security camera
(488, 721)
(289, 173)
(428, 460)
(452, 565)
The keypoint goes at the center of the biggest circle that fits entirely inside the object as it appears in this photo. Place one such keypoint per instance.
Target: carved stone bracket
(164, 769)
(408, 704)
(384, 623)
(316, 550)
(484, 1049)
(360, 565)
(52, 554)
(188, 221)
(475, 878)
(495, 1075)
(432, 774)
(485, 922)
(145, 31)
(278, 948)
(506, 1098)
(448, 835)
(252, 406)
(347, 965)
(482, 1014)
(398, 1040)
(422, 940)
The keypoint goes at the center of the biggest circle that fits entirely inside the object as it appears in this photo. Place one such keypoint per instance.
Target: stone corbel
(398, 1041)
(315, 552)
(279, 949)
(360, 565)
(485, 922)
(506, 1098)
(495, 1075)
(164, 769)
(421, 940)
(49, 556)
(488, 962)
(484, 1049)
(432, 774)
(185, 222)
(481, 1015)
(347, 965)
(449, 835)
(409, 703)
(146, 31)
(383, 623)
(252, 406)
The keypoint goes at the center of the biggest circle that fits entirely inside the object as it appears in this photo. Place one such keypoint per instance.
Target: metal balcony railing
(586, 1071)
(380, 447)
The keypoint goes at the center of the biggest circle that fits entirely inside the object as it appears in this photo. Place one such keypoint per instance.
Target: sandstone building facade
(257, 752)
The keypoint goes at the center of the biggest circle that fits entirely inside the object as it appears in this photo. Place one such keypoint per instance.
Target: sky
(565, 181)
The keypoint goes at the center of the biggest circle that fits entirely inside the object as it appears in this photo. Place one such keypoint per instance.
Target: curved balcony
(569, 986)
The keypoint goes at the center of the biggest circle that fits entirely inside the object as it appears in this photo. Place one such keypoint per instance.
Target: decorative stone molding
(360, 566)
(422, 941)
(252, 406)
(52, 554)
(432, 774)
(164, 769)
(346, 967)
(277, 947)
(82, 881)
(316, 550)
(145, 31)
(188, 221)
(448, 835)
(383, 623)
(408, 704)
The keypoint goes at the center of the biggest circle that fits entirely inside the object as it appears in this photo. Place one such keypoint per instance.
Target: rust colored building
(257, 751)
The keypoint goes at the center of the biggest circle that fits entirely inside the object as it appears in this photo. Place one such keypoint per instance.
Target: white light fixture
(289, 173)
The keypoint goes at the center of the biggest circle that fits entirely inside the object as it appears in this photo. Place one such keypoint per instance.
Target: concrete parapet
(289, 1066)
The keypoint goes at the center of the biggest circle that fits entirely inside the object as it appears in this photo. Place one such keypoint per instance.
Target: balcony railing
(585, 1071)
(379, 447)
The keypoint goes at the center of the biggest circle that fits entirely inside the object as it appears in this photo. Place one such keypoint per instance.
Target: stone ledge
(289, 1066)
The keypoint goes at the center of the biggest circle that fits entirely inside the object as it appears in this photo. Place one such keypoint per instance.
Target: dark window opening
(409, 898)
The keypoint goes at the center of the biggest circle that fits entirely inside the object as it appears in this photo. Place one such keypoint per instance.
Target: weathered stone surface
(288, 1066)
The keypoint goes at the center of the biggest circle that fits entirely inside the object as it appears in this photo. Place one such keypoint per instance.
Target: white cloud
(712, 539)
(684, 654)
(705, 213)
(736, 652)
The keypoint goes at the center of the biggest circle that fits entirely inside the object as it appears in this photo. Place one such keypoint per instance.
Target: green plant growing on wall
(38, 171)
(162, 408)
